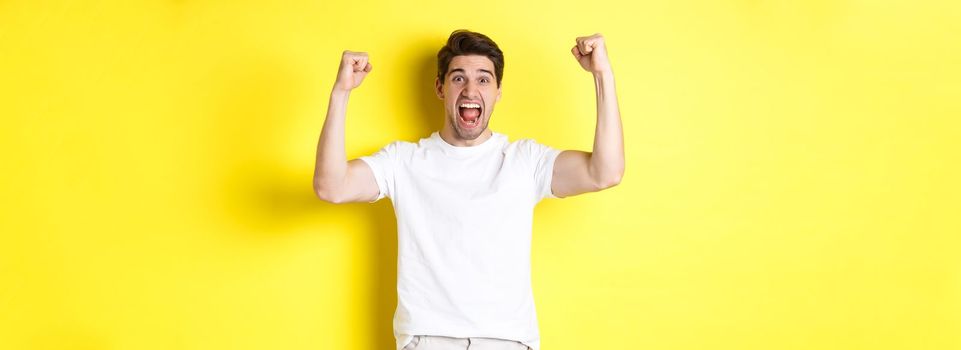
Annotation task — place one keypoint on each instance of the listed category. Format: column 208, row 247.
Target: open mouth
column 469, row 114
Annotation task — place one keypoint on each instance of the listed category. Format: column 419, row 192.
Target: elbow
column 608, row 183
column 606, row 174
column 325, row 194
column 609, row 180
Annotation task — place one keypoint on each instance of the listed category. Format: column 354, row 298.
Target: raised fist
column 354, row 66
column 591, row 53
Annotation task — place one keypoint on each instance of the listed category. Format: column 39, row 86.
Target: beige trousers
column 433, row 342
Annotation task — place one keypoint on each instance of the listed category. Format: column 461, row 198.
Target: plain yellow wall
column 792, row 171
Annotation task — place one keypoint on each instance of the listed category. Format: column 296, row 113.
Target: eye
column 485, row 80
column 458, row 79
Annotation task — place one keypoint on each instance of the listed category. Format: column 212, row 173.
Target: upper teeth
column 469, row 105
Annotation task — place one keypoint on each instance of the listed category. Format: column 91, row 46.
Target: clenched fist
column 591, row 53
column 354, row 66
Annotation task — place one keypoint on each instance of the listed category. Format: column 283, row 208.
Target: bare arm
column 577, row 172
column 335, row 179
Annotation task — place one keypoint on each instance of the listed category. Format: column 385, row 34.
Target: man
column 464, row 196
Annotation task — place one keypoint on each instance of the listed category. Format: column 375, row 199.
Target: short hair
column 464, row 42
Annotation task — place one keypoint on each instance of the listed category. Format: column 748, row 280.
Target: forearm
column 607, row 158
column 330, row 169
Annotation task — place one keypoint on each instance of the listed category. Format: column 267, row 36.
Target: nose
column 470, row 90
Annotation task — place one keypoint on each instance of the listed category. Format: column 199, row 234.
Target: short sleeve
column 542, row 157
column 382, row 164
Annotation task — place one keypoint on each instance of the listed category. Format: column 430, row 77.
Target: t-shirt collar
column 466, row 150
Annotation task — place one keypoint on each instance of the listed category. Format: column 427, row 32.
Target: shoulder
column 528, row 146
column 400, row 146
column 390, row 153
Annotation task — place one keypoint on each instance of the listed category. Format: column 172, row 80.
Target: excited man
column 464, row 196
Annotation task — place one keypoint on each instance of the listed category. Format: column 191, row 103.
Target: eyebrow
column 463, row 71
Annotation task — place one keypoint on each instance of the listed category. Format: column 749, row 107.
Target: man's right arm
column 335, row 179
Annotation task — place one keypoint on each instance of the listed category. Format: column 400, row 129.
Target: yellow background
column 792, row 171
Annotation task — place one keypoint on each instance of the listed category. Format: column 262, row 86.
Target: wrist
column 604, row 74
column 338, row 92
column 603, row 78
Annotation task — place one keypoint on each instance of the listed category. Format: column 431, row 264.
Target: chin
column 467, row 136
column 470, row 135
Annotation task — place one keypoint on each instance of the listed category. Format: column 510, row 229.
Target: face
column 469, row 91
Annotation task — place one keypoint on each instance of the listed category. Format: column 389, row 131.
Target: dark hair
column 464, row 42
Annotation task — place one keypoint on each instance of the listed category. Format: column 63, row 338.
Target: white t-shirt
column 464, row 219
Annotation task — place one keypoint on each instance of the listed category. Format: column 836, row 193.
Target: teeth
column 469, row 105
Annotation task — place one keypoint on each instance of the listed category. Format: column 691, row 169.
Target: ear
column 498, row 98
column 438, row 88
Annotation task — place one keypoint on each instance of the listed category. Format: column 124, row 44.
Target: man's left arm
column 577, row 172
